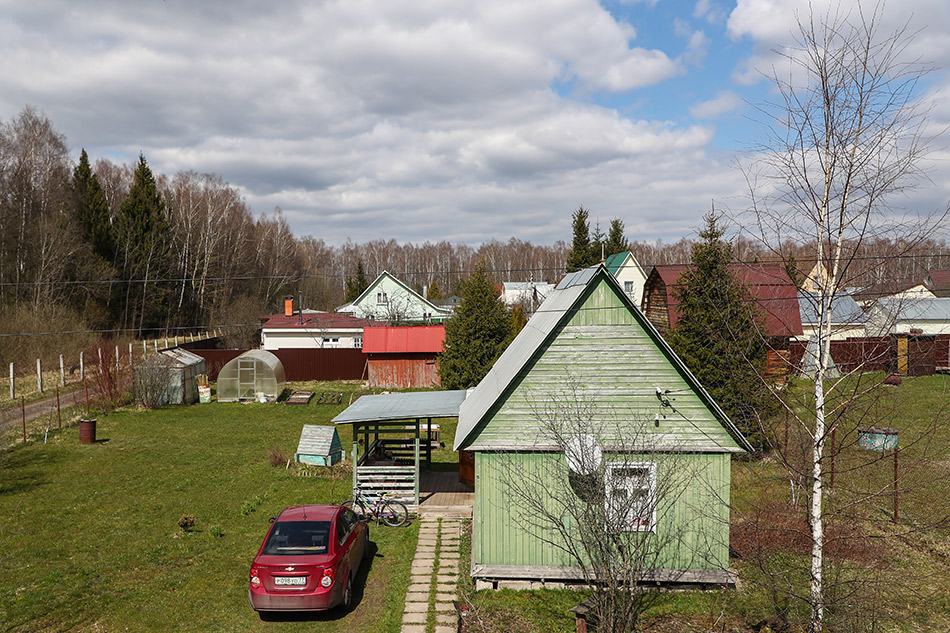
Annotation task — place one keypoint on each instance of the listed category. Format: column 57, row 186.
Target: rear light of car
column 327, row 579
column 255, row 579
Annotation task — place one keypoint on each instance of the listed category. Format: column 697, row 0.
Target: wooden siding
column 693, row 523
column 615, row 368
column 656, row 309
column 403, row 371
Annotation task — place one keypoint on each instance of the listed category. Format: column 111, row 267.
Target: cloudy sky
column 432, row 119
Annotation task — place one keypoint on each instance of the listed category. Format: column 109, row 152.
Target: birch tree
column 844, row 136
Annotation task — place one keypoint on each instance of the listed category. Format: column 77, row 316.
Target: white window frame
column 358, row 342
column 629, row 287
column 619, row 510
column 381, row 298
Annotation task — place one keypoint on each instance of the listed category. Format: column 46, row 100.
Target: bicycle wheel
column 356, row 506
column 394, row 513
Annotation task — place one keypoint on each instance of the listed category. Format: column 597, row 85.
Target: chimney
column 289, row 305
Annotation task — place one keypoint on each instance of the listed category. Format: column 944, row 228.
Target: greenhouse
column 169, row 377
column 254, row 375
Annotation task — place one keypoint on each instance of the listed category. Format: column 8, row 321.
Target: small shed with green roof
column 591, row 348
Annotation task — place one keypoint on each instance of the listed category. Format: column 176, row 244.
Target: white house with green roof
column 629, row 274
column 589, row 353
column 389, row 299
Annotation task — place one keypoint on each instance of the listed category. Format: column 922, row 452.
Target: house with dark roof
column 775, row 296
column 589, row 356
column 312, row 329
column 404, row 357
column 938, row 282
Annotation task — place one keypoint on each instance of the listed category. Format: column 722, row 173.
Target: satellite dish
column 583, row 454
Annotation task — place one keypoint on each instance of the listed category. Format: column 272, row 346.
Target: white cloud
column 725, row 101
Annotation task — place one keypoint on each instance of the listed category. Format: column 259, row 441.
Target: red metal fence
column 299, row 364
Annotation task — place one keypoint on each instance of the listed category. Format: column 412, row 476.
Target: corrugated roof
column 769, row 284
column 318, row 440
column 403, row 406
column 403, row 339
column 917, row 309
column 616, row 261
column 556, row 310
column 844, row 309
column 175, row 357
column 312, row 319
column 939, row 282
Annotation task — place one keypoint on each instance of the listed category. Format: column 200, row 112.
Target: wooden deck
column 441, row 494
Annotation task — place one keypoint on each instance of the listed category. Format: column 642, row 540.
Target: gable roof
column 616, row 261
column 939, row 282
column 844, row 309
column 774, row 293
column 403, row 339
column 313, row 319
column 917, row 308
column 412, row 293
column 543, row 327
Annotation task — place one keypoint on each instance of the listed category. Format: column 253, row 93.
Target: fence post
column 100, row 360
column 39, row 375
column 117, row 368
column 59, row 412
column 23, row 417
column 12, row 383
column 62, row 372
column 131, row 363
column 82, row 365
column 144, row 350
column 176, row 340
column 155, row 343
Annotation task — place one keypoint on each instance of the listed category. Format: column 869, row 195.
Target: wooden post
column 144, row 350
column 155, row 343
column 82, row 366
column 176, row 340
column 116, row 359
column 896, row 451
column 100, row 358
column 59, row 412
column 86, row 387
column 62, row 371
column 416, row 492
column 39, row 375
column 12, row 383
column 23, row 416
column 131, row 357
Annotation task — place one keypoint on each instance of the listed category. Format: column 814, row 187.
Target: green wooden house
column 589, row 348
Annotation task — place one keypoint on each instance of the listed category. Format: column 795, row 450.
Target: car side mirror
column 272, row 519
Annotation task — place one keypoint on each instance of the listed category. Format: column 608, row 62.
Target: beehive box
column 319, row 445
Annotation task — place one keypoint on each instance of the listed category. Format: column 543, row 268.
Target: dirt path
column 46, row 407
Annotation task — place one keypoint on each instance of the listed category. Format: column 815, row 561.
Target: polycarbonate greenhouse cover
column 253, row 375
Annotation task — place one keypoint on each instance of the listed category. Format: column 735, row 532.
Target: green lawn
column 89, row 536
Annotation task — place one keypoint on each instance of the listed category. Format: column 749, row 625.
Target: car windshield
column 298, row 537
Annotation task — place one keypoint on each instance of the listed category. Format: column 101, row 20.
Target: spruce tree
column 434, row 294
column 355, row 286
column 92, row 211
column 718, row 334
column 476, row 335
column 581, row 255
column 616, row 240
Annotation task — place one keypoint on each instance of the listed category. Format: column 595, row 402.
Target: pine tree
column 92, row 210
column 597, row 245
column 581, row 255
column 355, row 286
column 718, row 332
column 616, row 240
column 476, row 335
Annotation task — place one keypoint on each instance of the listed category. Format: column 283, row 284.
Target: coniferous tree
column 718, row 333
column 581, row 254
column 616, row 240
column 597, row 245
column 357, row 284
column 143, row 230
column 434, row 294
column 92, row 210
column 476, row 335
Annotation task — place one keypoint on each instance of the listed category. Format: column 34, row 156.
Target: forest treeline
column 102, row 249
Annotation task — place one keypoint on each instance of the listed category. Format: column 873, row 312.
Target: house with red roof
column 775, row 295
column 938, row 282
column 403, row 357
column 312, row 329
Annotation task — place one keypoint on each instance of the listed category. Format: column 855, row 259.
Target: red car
column 309, row 560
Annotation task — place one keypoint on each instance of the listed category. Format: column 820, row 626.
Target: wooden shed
column 403, row 357
column 589, row 347
column 319, row 445
column 169, row 377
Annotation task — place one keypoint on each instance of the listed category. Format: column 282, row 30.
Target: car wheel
column 348, row 594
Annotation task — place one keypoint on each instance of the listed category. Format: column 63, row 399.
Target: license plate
column 285, row 581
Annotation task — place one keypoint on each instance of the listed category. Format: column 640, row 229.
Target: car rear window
column 298, row 537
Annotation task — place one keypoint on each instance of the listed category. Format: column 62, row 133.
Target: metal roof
column 403, row 406
column 175, row 357
column 313, row 319
column 917, row 309
column 774, row 293
column 556, row 308
column 844, row 309
column 403, row 339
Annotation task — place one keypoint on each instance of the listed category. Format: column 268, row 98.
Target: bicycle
column 391, row 512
